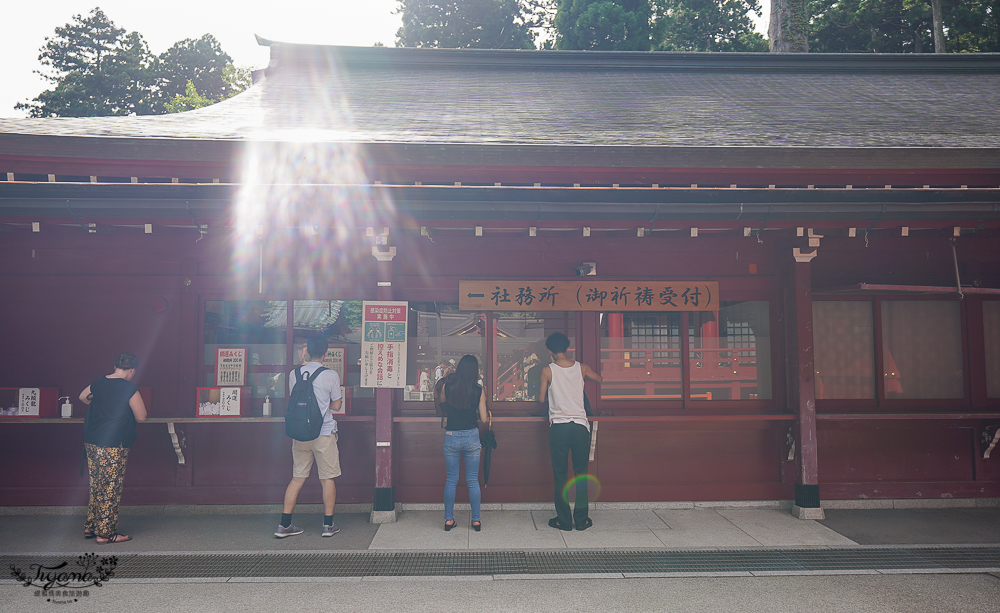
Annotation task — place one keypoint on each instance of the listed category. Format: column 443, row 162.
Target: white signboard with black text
column 230, row 366
column 28, row 401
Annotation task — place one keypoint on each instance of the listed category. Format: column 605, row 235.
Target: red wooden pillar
column 616, row 342
column 798, row 310
column 187, row 367
column 383, row 500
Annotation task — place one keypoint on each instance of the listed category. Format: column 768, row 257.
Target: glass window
column 266, row 384
column 922, row 349
column 991, row 330
column 844, row 349
column 439, row 335
column 730, row 355
column 258, row 325
column 519, row 339
column 640, row 356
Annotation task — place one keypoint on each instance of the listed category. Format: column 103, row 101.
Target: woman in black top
column 108, row 432
column 464, row 402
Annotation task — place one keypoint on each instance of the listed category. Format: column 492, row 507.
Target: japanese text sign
column 28, row 401
column 588, row 295
column 230, row 366
column 229, row 401
column 334, row 360
column 383, row 345
column 222, row 401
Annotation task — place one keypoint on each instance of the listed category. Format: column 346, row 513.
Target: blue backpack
column 303, row 418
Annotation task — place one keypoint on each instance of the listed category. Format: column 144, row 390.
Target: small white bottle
column 267, row 406
column 67, row 408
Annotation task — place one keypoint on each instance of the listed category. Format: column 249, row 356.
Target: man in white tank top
column 569, row 430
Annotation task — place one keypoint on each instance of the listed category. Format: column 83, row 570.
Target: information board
column 27, row 404
column 220, row 401
column 230, row 366
column 383, row 345
column 588, row 295
column 334, row 360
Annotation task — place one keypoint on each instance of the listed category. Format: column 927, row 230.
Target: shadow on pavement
column 916, row 526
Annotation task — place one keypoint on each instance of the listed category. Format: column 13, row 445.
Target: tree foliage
column 972, row 26
column 706, row 25
column 98, row 69
column 189, row 101
column 877, row 26
column 201, row 62
column 467, row 24
column 902, row 26
column 609, row 25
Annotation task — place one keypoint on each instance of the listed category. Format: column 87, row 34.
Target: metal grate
column 474, row 563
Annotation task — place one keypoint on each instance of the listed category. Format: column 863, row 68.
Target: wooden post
column 383, row 500
column 188, row 346
column 801, row 373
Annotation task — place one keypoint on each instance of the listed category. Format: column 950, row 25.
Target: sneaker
column 330, row 530
column 291, row 530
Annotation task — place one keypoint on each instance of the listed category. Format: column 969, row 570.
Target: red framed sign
column 223, row 401
column 231, row 366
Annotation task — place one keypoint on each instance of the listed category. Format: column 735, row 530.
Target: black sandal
column 477, row 525
column 585, row 524
column 554, row 523
column 88, row 533
column 114, row 538
column 447, row 526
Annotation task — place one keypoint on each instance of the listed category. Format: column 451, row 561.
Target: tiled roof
column 421, row 96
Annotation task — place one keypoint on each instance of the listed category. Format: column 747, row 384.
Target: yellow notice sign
column 588, row 295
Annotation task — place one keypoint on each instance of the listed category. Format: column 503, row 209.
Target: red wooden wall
column 72, row 301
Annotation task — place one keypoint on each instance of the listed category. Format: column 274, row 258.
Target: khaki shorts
column 324, row 450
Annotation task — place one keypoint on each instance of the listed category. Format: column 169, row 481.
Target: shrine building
column 785, row 267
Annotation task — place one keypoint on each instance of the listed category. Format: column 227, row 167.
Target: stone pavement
column 646, row 526
column 183, row 538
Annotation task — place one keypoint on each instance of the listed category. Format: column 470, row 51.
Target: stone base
column 808, row 512
column 383, row 517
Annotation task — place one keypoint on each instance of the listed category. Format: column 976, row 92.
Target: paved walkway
column 648, row 528
column 527, row 529
column 298, row 579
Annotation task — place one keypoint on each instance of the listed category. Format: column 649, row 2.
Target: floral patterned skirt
column 107, row 475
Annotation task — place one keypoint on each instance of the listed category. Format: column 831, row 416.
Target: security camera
column 585, row 269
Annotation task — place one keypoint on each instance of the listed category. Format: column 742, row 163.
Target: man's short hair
column 127, row 361
column 557, row 342
column 317, row 347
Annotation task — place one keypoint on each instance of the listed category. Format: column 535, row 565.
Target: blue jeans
column 459, row 443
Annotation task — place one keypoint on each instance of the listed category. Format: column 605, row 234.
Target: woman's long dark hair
column 465, row 383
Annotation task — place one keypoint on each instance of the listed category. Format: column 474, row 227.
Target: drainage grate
column 411, row 564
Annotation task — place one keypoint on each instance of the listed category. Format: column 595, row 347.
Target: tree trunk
column 788, row 29
column 938, row 15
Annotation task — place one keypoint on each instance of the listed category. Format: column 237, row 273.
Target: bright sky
column 25, row 25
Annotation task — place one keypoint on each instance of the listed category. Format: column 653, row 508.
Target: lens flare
column 587, row 480
column 306, row 190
